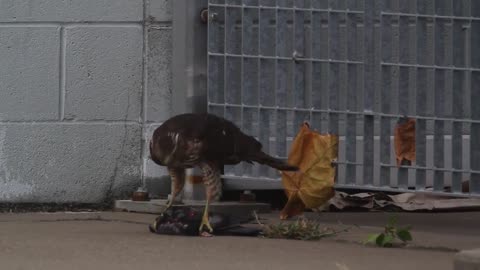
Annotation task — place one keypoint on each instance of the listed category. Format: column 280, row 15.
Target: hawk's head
column 176, row 149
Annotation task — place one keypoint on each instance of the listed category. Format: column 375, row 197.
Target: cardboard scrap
column 409, row 202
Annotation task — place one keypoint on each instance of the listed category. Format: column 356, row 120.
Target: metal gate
column 353, row 68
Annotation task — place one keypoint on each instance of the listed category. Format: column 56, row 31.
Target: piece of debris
column 301, row 229
column 140, row 194
column 405, row 141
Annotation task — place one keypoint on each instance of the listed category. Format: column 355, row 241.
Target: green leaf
column 372, row 238
column 404, row 235
column 385, row 241
column 379, row 239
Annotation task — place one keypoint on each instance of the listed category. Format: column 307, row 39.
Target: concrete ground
column 113, row 240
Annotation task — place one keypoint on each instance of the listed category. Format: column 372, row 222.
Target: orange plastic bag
column 312, row 185
column 405, row 141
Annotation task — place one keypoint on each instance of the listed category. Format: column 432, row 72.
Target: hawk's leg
column 177, row 176
column 213, row 187
column 205, row 221
column 178, row 181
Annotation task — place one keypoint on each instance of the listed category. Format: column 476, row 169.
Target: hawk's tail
column 276, row 163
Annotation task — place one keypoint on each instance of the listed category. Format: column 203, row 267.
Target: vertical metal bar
column 431, row 78
column 320, row 78
column 412, row 48
column 429, row 9
column 215, row 34
column 250, row 74
column 233, row 78
column 420, row 130
column 342, row 54
column 475, row 101
column 224, row 81
column 233, row 40
column 438, row 143
column 441, row 35
column 461, row 8
column 421, row 102
column 299, row 83
column 395, row 92
column 448, row 87
column 239, row 170
column 309, row 72
column 334, row 87
column 336, row 4
column 475, row 8
column 267, row 75
column 334, row 82
column 387, row 85
column 283, row 70
column 403, row 86
column 460, row 40
column 216, row 64
column 352, row 94
column 260, row 130
column 225, row 27
column 371, row 61
column 459, row 80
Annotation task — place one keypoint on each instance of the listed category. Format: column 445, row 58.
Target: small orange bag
column 405, row 141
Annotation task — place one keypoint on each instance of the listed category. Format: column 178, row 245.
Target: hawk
column 209, row 142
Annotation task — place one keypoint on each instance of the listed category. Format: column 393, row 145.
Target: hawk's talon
column 206, row 223
column 153, row 227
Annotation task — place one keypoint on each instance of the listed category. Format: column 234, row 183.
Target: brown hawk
column 209, row 142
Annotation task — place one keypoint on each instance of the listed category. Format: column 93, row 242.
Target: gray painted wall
column 83, row 83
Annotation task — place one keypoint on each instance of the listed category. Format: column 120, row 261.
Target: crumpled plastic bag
column 312, row 185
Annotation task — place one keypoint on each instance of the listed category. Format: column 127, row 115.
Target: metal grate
column 353, row 68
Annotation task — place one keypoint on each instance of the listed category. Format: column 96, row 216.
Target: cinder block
column 68, row 162
column 147, row 136
column 159, row 74
column 104, row 73
column 159, row 10
column 78, row 10
column 155, row 177
column 29, row 80
column 150, row 169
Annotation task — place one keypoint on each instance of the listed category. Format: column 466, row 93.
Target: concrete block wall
column 82, row 85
